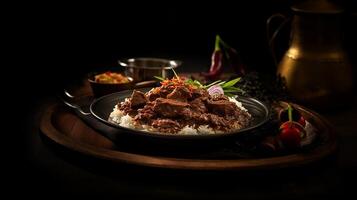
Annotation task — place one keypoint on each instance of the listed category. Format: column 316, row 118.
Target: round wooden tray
column 64, row 127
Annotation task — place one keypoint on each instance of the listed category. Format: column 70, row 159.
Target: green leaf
column 232, row 90
column 211, row 84
column 159, row 78
column 221, row 83
column 197, row 83
column 231, row 83
column 189, row 81
column 194, row 82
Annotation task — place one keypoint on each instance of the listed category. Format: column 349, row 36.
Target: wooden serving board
column 61, row 125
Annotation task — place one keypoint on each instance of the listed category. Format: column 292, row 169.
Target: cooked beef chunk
column 198, row 105
column 219, row 97
column 169, row 107
column 138, row 99
column 199, row 93
column 217, row 121
column 221, row 107
column 213, row 120
column 151, row 95
column 180, row 94
column 162, row 91
column 166, row 125
column 146, row 114
column 126, row 108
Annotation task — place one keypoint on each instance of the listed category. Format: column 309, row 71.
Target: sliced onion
column 215, row 90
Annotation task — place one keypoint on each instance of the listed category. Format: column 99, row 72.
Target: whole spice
column 264, row 87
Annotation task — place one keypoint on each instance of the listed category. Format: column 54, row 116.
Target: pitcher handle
column 271, row 37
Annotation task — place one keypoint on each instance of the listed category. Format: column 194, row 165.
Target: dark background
column 64, row 41
column 57, row 44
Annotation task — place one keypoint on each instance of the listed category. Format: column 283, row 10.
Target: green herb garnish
column 159, row 78
column 175, row 73
column 228, row 87
column 231, row 83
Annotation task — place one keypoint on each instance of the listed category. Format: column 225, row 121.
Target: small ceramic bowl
column 101, row 89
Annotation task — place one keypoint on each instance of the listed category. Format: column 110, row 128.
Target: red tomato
column 290, row 137
column 290, row 134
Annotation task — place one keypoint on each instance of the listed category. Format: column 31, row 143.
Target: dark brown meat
column 126, row 108
column 199, row 93
column 169, row 107
column 155, row 93
column 180, row 94
column 219, row 97
column 151, row 96
column 213, row 120
column 221, row 107
column 198, row 105
column 146, row 114
column 138, row 99
column 166, row 125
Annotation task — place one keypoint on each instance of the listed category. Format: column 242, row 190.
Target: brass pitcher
column 316, row 67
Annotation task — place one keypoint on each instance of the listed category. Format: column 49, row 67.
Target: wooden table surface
column 65, row 173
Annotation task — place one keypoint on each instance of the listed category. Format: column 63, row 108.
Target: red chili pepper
column 231, row 55
column 234, row 58
column 216, row 67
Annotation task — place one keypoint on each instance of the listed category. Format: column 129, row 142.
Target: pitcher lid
column 317, row 7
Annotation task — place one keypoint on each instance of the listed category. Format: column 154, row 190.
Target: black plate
column 102, row 107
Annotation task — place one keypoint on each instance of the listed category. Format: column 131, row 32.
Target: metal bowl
column 144, row 69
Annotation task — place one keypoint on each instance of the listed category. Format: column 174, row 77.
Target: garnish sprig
column 228, row 87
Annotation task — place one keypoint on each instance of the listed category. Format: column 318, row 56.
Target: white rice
column 118, row 117
column 188, row 130
column 239, row 104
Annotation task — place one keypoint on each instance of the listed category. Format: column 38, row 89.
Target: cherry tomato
column 290, row 134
